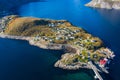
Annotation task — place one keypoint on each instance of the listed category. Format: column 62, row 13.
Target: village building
column 103, row 62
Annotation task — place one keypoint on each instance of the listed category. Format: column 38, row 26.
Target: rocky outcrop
column 72, row 66
column 65, row 64
column 107, row 4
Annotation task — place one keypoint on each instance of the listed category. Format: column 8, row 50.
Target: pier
column 97, row 75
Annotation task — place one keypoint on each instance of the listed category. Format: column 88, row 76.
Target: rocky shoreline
column 106, row 4
column 32, row 42
column 59, row 64
column 79, row 46
column 74, row 66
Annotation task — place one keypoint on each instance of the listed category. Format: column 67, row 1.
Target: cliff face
column 108, row 4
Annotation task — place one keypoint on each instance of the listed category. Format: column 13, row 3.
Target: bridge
column 97, row 75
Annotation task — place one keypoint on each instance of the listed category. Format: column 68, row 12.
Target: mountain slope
column 108, row 4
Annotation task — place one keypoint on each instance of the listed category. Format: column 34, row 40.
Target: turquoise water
column 99, row 22
column 21, row 61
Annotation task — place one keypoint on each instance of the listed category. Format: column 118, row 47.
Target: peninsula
column 80, row 48
column 107, row 4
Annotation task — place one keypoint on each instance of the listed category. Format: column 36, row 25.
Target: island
column 81, row 49
column 107, row 4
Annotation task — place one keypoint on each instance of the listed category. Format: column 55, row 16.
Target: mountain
column 107, row 4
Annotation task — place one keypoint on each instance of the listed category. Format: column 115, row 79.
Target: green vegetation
column 74, row 58
column 59, row 32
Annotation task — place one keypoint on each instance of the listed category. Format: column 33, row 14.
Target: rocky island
column 107, row 4
column 80, row 48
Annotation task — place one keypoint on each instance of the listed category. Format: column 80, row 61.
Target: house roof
column 103, row 62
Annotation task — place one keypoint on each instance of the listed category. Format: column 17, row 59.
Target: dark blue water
column 99, row 22
column 21, row 61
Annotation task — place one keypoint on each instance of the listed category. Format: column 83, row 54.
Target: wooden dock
column 97, row 75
